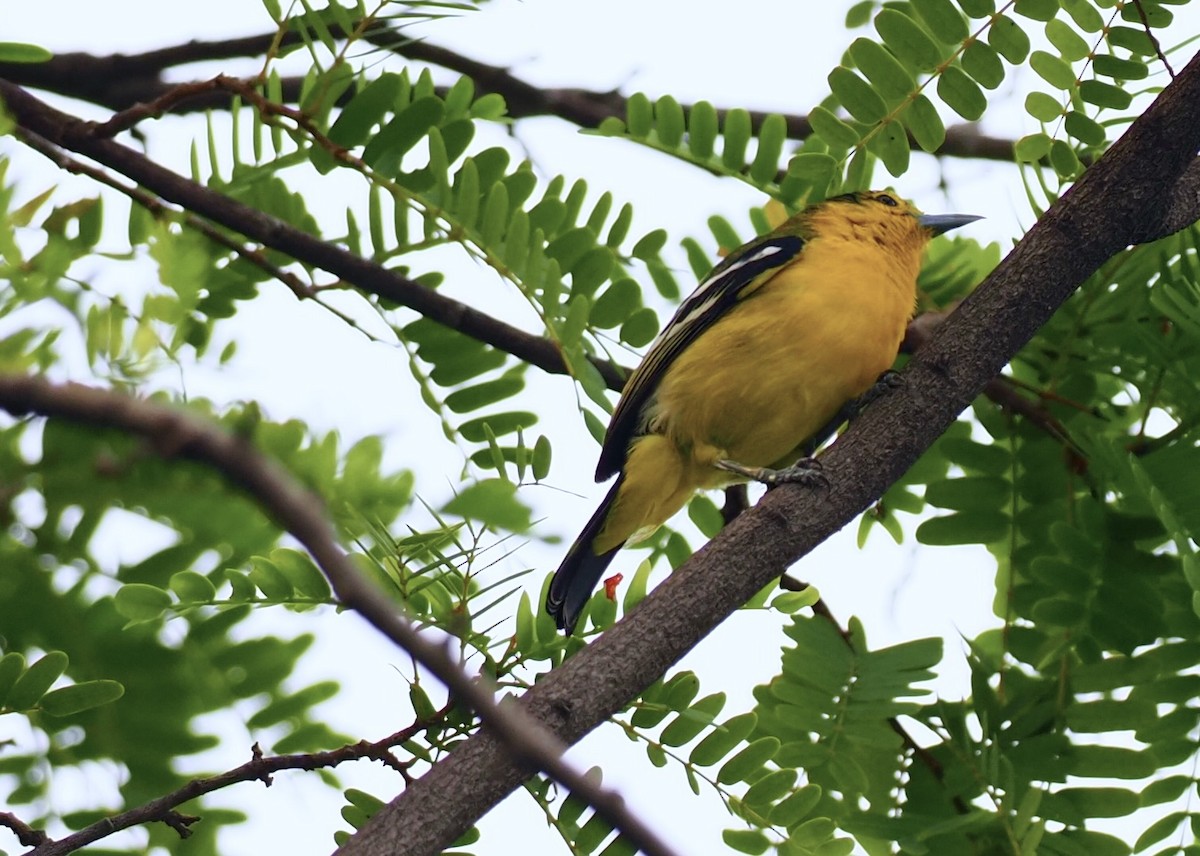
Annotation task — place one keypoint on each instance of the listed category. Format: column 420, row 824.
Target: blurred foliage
column 1082, row 698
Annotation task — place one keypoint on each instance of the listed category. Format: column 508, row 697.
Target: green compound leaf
column 398, row 136
column 964, row 528
column 856, row 95
column 961, row 93
column 942, row 19
column 1071, row 46
column 191, row 587
column 1085, row 15
column 702, row 130
column 1043, row 107
column 1038, row 10
column 1104, row 94
column 12, row 666
column 141, row 602
column 890, row 144
column 491, row 501
column 908, row 39
column 1009, row 40
column 771, row 138
column 748, row 761
column 38, row 678
column 668, row 121
column 22, row 52
column 1084, row 128
column 751, row 841
column 923, row 122
column 890, row 78
column 738, row 132
column 365, row 110
column 982, row 62
column 1108, row 65
column 836, row 133
column 80, row 697
column 1052, row 69
column 688, row 724
column 722, row 740
column 978, row 8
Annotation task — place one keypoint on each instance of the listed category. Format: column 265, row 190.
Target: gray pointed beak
column 939, row 224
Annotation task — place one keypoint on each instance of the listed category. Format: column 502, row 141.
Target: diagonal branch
column 173, row 433
column 76, row 135
column 1129, row 195
column 120, row 81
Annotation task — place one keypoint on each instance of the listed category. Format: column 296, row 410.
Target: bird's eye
column 888, row 200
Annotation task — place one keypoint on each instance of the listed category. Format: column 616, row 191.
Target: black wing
column 727, row 284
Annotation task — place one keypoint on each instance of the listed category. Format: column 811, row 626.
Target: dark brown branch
column 119, row 81
column 999, row 390
column 173, row 433
column 258, row 768
column 1126, row 196
column 27, row 836
column 76, row 135
column 157, row 209
column 1162, row 57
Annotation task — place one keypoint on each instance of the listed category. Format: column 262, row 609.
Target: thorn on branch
column 181, row 823
column 256, row 758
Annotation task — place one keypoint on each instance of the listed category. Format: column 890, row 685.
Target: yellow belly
column 758, row 384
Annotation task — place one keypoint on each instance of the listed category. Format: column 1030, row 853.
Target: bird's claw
column 807, row 472
column 888, row 381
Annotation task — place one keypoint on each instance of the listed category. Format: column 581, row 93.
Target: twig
column 120, row 82
column 179, row 94
column 1162, row 57
column 175, row 433
column 27, row 836
column 258, row 768
column 76, row 135
column 158, row 209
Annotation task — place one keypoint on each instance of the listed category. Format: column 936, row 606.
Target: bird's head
column 883, row 217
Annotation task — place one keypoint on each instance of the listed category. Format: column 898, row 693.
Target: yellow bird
column 770, row 347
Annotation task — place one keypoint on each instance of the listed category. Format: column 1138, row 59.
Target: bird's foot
column 806, row 471
column 888, row 381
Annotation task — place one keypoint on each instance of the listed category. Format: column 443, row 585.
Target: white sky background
column 298, row 361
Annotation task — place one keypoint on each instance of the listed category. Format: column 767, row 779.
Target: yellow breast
column 755, row 386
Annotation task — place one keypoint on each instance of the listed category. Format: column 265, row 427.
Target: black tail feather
column 581, row 570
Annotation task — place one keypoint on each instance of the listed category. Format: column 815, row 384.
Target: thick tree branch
column 174, row 433
column 1127, row 196
column 120, row 81
column 76, row 135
